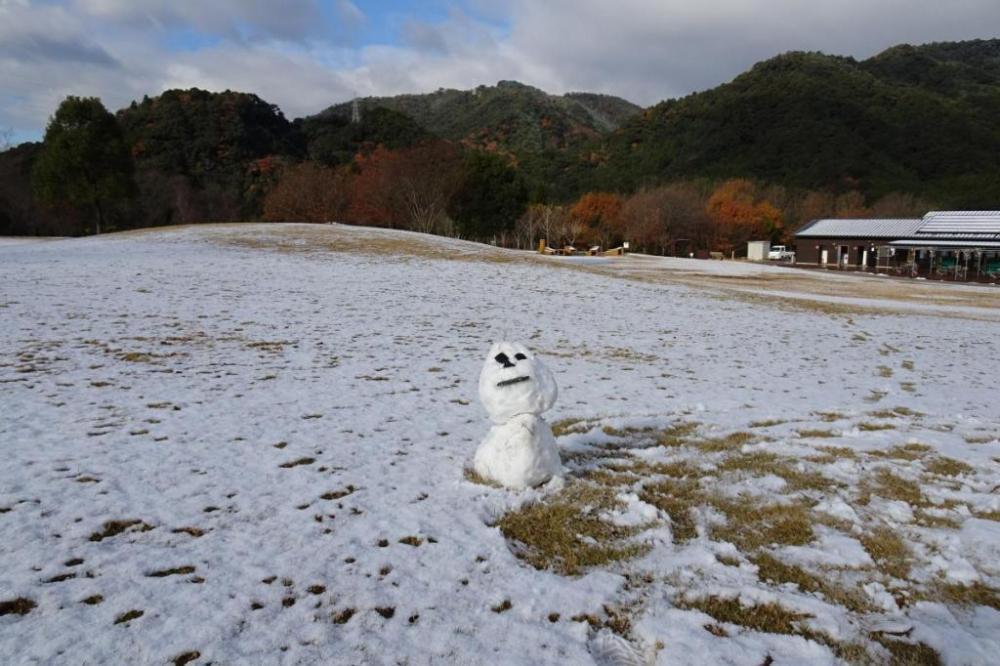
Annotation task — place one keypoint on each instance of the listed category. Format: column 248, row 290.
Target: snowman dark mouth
column 515, row 380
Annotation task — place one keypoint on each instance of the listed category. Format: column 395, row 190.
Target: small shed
column 758, row 250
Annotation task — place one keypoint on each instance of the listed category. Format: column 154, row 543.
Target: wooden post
column 541, row 246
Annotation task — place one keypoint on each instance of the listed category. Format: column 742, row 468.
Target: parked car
column 781, row 253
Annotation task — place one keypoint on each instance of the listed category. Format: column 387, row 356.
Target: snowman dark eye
column 520, row 357
column 503, row 360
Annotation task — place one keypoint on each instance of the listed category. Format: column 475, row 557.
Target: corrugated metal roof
column 962, row 224
column 861, row 228
column 975, row 245
column 962, row 213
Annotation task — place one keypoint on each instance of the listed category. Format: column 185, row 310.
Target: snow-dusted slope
column 287, row 428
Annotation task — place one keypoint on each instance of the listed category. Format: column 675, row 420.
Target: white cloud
column 287, row 19
column 303, row 55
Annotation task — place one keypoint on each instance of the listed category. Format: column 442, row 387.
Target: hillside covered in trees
column 924, row 120
column 799, row 136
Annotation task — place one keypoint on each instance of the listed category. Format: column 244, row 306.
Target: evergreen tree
column 84, row 160
column 491, row 197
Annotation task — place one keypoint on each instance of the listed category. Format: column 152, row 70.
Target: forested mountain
column 924, row 120
column 910, row 126
column 509, row 116
column 532, row 128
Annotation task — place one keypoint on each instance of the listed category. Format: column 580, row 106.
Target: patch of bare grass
column 567, row 426
column 889, row 551
column 18, row 606
column 947, row 467
column 926, row 519
column 766, row 423
column 115, row 527
column 343, row 616
column 729, row 442
column 771, row 618
column 815, row 434
column 677, row 434
column 677, row 498
column 888, row 485
column 831, row 454
column 911, row 451
column 751, row 524
column 771, row 569
column 338, row 494
column 975, row 594
column 761, row 462
column 987, row 515
column 174, row 571
column 473, row 476
column 564, row 532
column 905, row 653
column 128, row 616
column 297, row 462
column 869, row 426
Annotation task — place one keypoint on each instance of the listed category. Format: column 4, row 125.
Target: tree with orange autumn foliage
column 739, row 215
column 408, row 188
column 669, row 219
column 308, row 192
column 600, row 214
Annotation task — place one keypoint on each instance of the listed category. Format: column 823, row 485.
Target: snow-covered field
column 247, row 444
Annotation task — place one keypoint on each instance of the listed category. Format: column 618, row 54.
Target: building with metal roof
column 957, row 244
column 860, row 228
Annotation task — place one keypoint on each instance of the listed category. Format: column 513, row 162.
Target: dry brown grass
column 565, row 534
column 987, row 515
column 769, row 618
column 761, row 463
column 927, row 519
column 890, row 552
column 868, row 426
column 769, row 568
column 677, row 434
column 473, row 476
column 115, row 527
column 751, row 525
column 815, row 434
column 911, row 451
column 975, row 594
column 888, row 485
column 128, row 616
column 729, row 442
column 19, row 606
column 947, row 467
column 567, row 426
column 903, row 653
column 766, row 423
column 831, row 454
column 677, row 498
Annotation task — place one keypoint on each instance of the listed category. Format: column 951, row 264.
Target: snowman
column 515, row 387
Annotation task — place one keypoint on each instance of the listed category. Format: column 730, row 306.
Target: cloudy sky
column 306, row 54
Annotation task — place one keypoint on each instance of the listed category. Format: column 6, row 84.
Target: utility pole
column 355, row 111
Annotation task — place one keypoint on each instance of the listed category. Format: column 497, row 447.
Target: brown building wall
column 809, row 251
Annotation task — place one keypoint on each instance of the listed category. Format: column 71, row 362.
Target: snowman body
column 516, row 388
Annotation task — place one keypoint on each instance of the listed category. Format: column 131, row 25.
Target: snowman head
column 514, row 382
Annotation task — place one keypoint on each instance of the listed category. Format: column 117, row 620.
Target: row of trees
column 432, row 187
column 696, row 216
column 86, row 167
